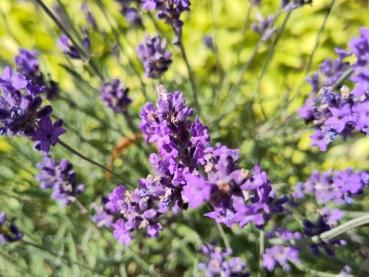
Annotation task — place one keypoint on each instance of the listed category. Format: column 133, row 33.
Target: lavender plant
column 212, row 174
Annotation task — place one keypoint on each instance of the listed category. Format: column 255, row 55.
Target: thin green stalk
column 190, row 73
column 142, row 262
column 272, row 50
column 343, row 228
column 65, row 31
column 57, row 255
column 131, row 63
column 246, row 66
column 70, row 149
column 60, row 25
column 224, row 237
column 316, row 45
column 317, row 40
column 343, row 78
column 244, row 28
column 261, row 253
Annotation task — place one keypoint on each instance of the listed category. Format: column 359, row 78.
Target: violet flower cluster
column 73, row 51
column 9, row 231
column 60, row 177
column 336, row 187
column 294, row 4
column 130, row 12
column 264, row 26
column 28, row 65
column 316, row 228
column 235, row 195
column 115, row 96
column 336, row 114
column 219, row 262
column 131, row 211
column 21, row 110
column 282, row 255
column 154, row 57
column 169, row 10
column 88, row 15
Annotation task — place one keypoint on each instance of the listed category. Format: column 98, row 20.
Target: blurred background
column 252, row 109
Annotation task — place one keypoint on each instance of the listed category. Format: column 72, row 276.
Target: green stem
column 65, row 31
column 56, row 254
column 141, row 262
column 189, row 71
column 317, row 40
column 58, row 23
column 261, row 253
column 343, row 228
column 343, row 78
column 70, row 149
column 223, row 235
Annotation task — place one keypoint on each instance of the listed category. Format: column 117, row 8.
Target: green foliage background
column 264, row 127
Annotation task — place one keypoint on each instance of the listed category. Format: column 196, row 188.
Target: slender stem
column 142, row 262
column 67, row 33
column 70, row 149
column 246, row 66
column 261, row 252
column 189, row 71
column 122, row 48
column 58, row 23
column 56, row 254
column 343, row 78
column 272, row 50
column 244, row 28
column 317, row 40
column 340, row 229
column 223, row 235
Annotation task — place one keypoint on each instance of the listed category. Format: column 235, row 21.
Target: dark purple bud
column 45, row 111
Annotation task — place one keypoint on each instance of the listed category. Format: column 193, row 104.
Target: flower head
column 60, row 177
column 9, row 231
column 219, row 262
column 47, row 134
column 115, row 96
column 156, row 60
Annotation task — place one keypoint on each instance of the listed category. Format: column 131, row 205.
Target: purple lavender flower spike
column 218, row 262
column 293, row 4
column 68, row 48
column 279, row 255
column 343, row 113
column 131, row 211
column 156, row 60
column 27, row 62
column 339, row 119
column 209, row 43
column 47, row 134
column 102, row 216
column 11, row 81
column 28, row 65
column 115, row 96
column 170, row 11
column 331, row 216
column 130, row 12
column 197, row 191
column 315, row 228
column 336, row 187
column 9, row 232
column 188, row 172
column 88, row 15
column 60, row 177
column 360, row 47
column 264, row 26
